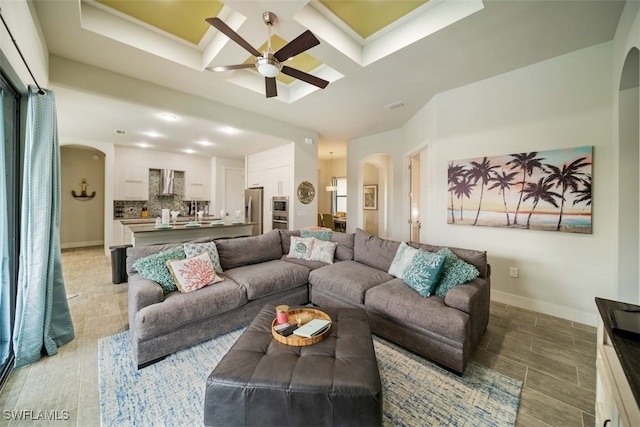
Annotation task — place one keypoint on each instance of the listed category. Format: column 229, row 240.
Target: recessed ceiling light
column 229, row 130
column 152, row 134
column 205, row 143
column 120, row 132
column 143, row 145
column 168, row 117
column 189, row 151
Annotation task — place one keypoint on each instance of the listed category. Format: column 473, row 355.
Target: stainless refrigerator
column 253, row 207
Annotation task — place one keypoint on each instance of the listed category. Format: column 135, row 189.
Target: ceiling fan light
column 268, row 67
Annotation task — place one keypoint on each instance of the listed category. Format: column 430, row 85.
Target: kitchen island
column 149, row 234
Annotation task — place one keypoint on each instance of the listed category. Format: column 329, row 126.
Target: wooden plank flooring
column 554, row 358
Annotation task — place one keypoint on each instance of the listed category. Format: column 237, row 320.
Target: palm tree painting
column 550, row 189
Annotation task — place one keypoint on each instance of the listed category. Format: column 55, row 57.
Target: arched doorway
column 375, row 176
column 629, row 178
column 82, row 182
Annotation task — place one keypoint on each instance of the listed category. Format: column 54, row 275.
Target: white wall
column 19, row 17
column 562, row 102
column 627, row 37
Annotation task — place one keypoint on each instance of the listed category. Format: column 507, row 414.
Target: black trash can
column 119, row 263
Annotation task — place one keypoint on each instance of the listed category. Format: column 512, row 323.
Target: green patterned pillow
column 424, row 271
column 154, row 267
column 193, row 249
column 318, row 234
column 455, row 272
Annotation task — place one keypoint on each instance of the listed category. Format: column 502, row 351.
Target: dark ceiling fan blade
column 305, row 77
column 230, row 67
column 270, row 87
column 296, row 46
column 219, row 25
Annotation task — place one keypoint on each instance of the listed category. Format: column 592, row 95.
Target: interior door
column 414, row 198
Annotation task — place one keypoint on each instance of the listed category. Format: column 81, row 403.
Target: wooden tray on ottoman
column 301, row 341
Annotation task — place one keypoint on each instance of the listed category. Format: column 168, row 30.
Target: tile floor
column 554, row 358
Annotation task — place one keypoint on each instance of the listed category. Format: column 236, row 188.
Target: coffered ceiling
column 374, row 53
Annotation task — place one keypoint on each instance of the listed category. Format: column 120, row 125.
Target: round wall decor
column 306, row 192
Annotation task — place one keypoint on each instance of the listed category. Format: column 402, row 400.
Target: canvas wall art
column 546, row 190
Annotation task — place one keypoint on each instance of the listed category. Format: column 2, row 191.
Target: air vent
column 394, row 105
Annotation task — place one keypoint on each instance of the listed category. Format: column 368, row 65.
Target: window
column 12, row 172
column 340, row 195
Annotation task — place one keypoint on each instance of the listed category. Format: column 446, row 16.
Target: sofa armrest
column 143, row 292
column 473, row 298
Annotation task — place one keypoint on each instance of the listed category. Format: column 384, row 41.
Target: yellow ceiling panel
column 369, row 17
column 303, row 62
column 182, row 18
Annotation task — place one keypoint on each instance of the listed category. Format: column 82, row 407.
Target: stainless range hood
column 167, row 179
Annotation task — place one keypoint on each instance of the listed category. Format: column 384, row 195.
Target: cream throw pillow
column 193, row 273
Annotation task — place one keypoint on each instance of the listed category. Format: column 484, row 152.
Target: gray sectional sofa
column 258, row 272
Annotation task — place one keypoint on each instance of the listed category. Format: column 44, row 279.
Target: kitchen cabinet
column 196, row 185
column 132, row 183
column 617, row 376
column 255, row 178
column 277, row 182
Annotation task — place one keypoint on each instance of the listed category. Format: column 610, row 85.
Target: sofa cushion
column 455, row 272
column 396, row 301
column 402, row 260
column 154, row 267
column 311, row 265
column 322, row 251
column 424, row 272
column 374, row 251
column 193, row 249
column 193, row 273
column 474, row 257
column 285, row 239
column 178, row 309
column 269, row 277
column 322, row 234
column 134, row 254
column 348, row 280
column 249, row 250
column 344, row 250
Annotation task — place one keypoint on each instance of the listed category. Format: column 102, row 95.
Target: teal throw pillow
column 318, row 234
column 154, row 267
column 423, row 274
column 456, row 272
column 402, row 260
column 193, row 249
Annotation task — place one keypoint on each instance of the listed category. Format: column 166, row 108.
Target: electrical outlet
column 513, row 272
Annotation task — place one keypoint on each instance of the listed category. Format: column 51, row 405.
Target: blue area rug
column 416, row 392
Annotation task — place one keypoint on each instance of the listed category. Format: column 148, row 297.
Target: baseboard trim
column 82, row 244
column 546, row 308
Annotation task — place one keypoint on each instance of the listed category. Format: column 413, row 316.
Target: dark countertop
column 148, row 228
column 628, row 350
column 152, row 220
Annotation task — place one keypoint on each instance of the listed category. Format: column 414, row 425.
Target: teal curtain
column 5, row 291
column 43, row 321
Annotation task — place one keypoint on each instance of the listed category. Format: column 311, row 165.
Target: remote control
column 288, row 331
column 281, row 326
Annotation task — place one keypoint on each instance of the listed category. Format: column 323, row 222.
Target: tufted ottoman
column 262, row 382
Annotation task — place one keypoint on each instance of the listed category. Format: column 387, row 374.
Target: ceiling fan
column 268, row 63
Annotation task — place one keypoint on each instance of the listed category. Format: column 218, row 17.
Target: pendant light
column 331, row 187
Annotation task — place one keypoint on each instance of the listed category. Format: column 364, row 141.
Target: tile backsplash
column 157, row 202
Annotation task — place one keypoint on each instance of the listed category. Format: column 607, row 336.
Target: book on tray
column 313, row 328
